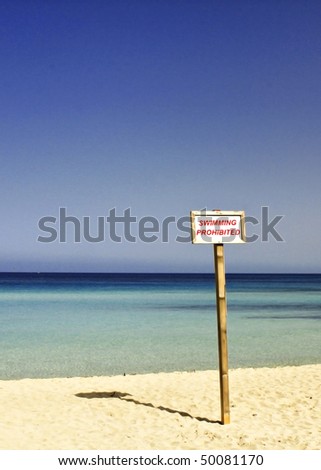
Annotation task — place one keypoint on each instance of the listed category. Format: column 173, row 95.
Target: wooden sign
column 218, row 226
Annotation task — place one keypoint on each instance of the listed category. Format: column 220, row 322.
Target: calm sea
column 59, row 325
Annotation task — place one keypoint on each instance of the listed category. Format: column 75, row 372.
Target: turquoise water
column 58, row 325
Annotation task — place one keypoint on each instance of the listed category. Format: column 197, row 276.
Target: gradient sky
column 160, row 106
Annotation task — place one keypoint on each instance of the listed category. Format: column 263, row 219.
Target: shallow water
column 56, row 325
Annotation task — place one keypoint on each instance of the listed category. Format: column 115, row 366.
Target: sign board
column 218, row 226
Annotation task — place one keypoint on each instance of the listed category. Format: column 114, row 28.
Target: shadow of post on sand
column 127, row 397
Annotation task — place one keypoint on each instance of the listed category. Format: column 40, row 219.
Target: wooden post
column 222, row 331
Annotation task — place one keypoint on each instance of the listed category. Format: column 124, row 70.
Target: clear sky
column 159, row 106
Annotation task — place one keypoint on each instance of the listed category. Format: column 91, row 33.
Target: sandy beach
column 277, row 408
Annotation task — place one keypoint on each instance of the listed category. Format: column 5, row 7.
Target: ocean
column 63, row 325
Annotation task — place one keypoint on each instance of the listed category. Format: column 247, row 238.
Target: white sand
column 270, row 409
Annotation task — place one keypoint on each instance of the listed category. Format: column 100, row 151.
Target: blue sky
column 160, row 107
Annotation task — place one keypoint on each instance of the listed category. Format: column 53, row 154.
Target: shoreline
column 271, row 409
column 148, row 373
